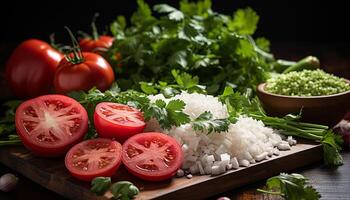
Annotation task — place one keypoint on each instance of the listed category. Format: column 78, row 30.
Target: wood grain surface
column 51, row 174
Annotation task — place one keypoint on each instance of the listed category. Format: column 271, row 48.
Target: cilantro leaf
column 195, row 8
column 244, row 21
column 205, row 122
column 124, row 190
column 175, row 115
column 143, row 14
column 8, row 135
column 100, row 185
column 173, row 13
column 188, row 82
column 263, row 43
column 331, row 147
column 291, row 187
column 148, row 88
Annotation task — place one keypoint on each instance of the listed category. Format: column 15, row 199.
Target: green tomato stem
column 95, row 34
column 76, row 50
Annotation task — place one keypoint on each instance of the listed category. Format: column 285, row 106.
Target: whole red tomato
column 31, row 68
column 97, row 45
column 82, row 71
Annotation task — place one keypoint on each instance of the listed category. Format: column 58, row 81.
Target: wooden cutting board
column 51, row 174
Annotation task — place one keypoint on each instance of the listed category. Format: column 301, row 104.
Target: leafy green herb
column 124, row 190
column 291, row 187
column 100, row 185
column 238, row 104
column 245, row 21
column 205, row 122
column 173, row 13
column 183, row 82
column 8, row 134
column 216, row 48
column 167, row 114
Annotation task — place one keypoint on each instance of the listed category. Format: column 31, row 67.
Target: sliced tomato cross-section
column 93, row 158
column 113, row 120
column 49, row 125
column 152, row 156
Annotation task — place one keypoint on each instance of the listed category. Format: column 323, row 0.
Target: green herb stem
column 10, row 142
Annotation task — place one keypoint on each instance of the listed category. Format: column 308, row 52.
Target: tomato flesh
column 152, row 156
column 93, row 158
column 118, row 121
column 49, row 125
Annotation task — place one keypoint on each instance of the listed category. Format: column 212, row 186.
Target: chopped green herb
column 306, row 83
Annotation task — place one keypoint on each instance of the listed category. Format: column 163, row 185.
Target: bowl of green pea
column 321, row 97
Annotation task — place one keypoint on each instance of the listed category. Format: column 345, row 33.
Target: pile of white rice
column 246, row 142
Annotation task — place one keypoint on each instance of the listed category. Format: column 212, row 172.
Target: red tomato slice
column 49, row 125
column 93, row 158
column 118, row 121
column 152, row 156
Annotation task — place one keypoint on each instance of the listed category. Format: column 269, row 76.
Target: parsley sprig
column 205, row 122
column 291, row 187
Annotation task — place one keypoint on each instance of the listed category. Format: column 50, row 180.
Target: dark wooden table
column 331, row 183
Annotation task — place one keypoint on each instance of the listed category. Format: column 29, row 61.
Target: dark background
column 299, row 21
column 296, row 28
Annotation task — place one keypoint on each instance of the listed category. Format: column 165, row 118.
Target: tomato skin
column 156, row 175
column 91, row 45
column 88, row 175
column 31, row 67
column 40, row 148
column 121, row 132
column 93, row 71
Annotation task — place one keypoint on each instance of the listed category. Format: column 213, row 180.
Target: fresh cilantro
column 191, row 40
column 143, row 15
column 245, row 21
column 100, row 185
column 124, row 190
column 183, row 82
column 331, row 147
column 8, row 134
column 173, row 13
column 175, row 115
column 291, row 187
column 206, row 123
column 263, row 44
column 199, row 8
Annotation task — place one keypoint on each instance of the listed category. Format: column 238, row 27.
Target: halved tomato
column 93, row 158
column 152, row 156
column 49, row 125
column 113, row 120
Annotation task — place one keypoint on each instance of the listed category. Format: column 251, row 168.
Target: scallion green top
column 307, row 83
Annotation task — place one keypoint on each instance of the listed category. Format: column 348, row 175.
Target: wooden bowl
column 327, row 110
